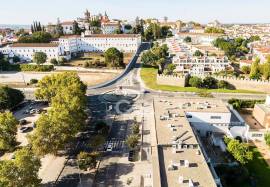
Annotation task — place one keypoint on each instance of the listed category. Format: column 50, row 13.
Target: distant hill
column 15, row 27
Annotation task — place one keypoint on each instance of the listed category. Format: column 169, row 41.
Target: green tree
column 39, row 58
column 10, row 97
column 209, row 83
column 54, row 61
column 132, row 141
column 267, row 138
column 198, row 53
column 97, row 141
column 254, row 70
column 266, row 69
column 223, row 84
column 49, row 86
column 169, row 70
column 37, row 37
column 22, row 171
column 136, row 128
column 76, row 29
column 195, row 82
column 8, row 131
column 245, row 69
column 214, row 30
column 239, row 151
column 16, row 59
column 187, row 39
column 114, row 58
column 87, row 160
column 66, row 117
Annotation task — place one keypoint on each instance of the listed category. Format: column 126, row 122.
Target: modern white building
column 26, row 51
column 200, row 65
column 128, row 43
column 187, row 63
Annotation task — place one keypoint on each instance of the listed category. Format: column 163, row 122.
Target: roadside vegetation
column 9, row 98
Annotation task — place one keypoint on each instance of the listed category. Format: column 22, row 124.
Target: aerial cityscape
column 143, row 94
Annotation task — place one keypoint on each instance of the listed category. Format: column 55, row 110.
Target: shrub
column 195, row 82
column 33, row 81
column 54, row 61
column 39, row 68
column 210, row 83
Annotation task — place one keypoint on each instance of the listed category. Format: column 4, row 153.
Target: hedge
column 31, row 67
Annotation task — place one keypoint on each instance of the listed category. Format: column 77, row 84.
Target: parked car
column 32, row 111
column 24, row 129
column 22, row 122
column 109, row 147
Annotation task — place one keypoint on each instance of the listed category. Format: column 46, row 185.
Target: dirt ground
column 250, row 120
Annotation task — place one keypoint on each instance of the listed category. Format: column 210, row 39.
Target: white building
column 200, row 65
column 26, row 51
column 128, row 43
column 110, row 27
column 67, row 27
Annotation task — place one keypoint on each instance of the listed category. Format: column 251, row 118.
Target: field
column 148, row 75
column 95, row 57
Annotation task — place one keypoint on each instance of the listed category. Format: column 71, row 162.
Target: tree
column 245, row 69
column 114, row 58
column 153, row 32
column 209, row 83
column 214, row 30
column 223, row 84
column 266, row 69
column 254, row 70
column 40, row 58
column 8, row 131
column 50, row 86
column 67, row 115
column 33, row 81
column 170, row 69
column 198, row 53
column 10, row 97
column 195, row 82
column 132, row 141
column 54, row 61
column 160, row 63
column 22, row 171
column 76, row 29
column 187, row 39
column 37, row 37
column 16, row 59
column 87, row 160
column 136, row 128
column 239, row 151
column 128, row 27
column 267, row 138
column 97, row 141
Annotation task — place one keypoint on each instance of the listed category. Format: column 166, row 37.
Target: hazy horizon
column 226, row 11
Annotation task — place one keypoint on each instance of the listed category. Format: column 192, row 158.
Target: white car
column 109, row 147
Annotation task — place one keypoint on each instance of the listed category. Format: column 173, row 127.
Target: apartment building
column 26, row 51
column 261, row 113
column 187, row 63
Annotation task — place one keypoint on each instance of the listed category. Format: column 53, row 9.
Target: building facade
column 26, row 51
column 128, row 43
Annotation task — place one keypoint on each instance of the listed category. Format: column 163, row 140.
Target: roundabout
column 120, row 94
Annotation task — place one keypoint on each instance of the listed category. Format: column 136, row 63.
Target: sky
column 203, row 11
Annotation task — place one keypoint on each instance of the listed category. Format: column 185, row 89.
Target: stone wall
column 243, row 84
column 171, row 80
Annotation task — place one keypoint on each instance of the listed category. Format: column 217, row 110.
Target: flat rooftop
column 171, row 126
column 264, row 107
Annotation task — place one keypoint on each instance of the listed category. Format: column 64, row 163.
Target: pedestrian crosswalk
column 117, row 145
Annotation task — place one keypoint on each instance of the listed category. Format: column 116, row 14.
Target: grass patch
column 259, row 169
column 149, row 76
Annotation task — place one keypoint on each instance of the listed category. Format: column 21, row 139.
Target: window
column 215, row 117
